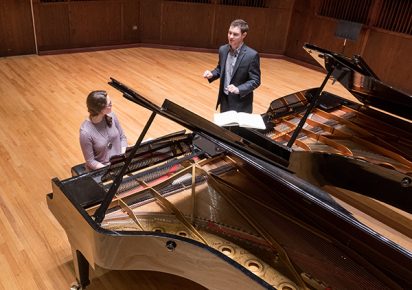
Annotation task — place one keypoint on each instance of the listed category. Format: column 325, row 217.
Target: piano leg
column 81, row 266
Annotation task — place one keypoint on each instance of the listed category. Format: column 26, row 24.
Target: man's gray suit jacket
column 246, row 76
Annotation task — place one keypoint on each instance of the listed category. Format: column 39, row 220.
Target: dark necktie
column 233, row 52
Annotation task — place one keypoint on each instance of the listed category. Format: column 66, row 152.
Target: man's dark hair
column 242, row 24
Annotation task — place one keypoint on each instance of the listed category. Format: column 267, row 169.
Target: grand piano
column 331, row 141
column 321, row 199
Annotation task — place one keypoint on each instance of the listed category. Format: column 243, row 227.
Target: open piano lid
column 198, row 124
column 355, row 75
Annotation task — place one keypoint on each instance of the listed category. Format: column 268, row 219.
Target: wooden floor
column 42, row 103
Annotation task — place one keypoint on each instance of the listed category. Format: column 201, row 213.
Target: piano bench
column 78, row 169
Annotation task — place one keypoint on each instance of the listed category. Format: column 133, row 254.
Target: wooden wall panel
column 99, row 23
column 276, row 30
column 307, row 27
column 225, row 15
column 187, row 24
column 131, row 21
column 278, row 20
column 16, row 28
column 150, row 21
column 323, row 34
column 52, row 25
column 92, row 23
column 299, row 29
column 78, row 24
column 389, row 56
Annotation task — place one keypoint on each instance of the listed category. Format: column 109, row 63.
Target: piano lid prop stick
column 101, row 211
column 193, row 193
column 309, row 109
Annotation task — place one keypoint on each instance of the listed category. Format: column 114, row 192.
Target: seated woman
column 101, row 136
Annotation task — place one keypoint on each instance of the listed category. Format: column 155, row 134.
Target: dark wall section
column 68, row 24
column 276, row 27
column 78, row 24
column 16, row 28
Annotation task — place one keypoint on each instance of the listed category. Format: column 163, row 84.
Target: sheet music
column 233, row 118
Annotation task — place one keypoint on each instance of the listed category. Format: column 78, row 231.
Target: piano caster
column 75, row 286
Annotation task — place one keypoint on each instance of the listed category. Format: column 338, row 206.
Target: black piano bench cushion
column 78, row 169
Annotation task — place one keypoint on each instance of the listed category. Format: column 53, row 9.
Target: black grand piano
column 334, row 142
column 327, row 207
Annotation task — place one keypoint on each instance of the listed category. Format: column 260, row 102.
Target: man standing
column 238, row 69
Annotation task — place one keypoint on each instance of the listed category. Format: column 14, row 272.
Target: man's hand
column 207, row 74
column 232, row 89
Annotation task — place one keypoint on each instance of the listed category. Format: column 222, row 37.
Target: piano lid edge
column 362, row 83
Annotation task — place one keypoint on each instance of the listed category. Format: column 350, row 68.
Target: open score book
column 233, row 118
